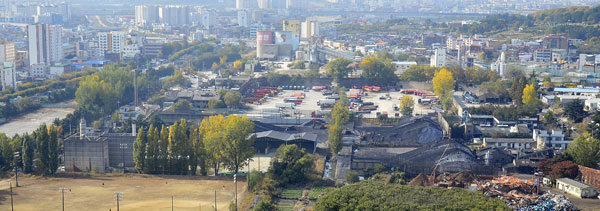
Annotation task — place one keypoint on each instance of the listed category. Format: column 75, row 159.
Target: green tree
column 290, row 165
column 378, row 71
column 139, row 151
column 152, row 150
column 351, row 177
column 549, row 119
column 338, row 68
column 585, row 150
column 237, row 147
column 516, row 90
column 335, row 137
column 574, row 110
column 211, row 129
column 43, row 157
column 232, row 99
column 163, row 145
column 28, row 154
column 265, row 206
column 53, row 151
column 407, row 105
column 182, row 106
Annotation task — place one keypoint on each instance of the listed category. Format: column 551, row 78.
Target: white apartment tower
column 146, row 14
column 243, row 18
column 500, row 65
column 111, row 42
column 8, row 75
column 45, row 43
column 439, row 58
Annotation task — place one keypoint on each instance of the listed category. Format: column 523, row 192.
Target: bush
column 254, row 180
column 265, row 206
column 351, row 177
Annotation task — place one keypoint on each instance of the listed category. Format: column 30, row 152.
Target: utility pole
column 118, row 197
column 12, row 208
column 17, row 155
column 62, row 191
column 215, row 199
column 235, row 182
column 123, row 147
column 172, row 207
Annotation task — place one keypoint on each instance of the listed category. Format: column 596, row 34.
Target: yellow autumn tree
column 529, row 95
column 223, row 59
column 443, row 83
column 214, row 66
column 237, row 65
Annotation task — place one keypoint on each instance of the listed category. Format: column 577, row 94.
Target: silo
column 262, row 38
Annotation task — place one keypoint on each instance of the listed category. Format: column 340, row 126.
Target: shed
column 575, row 188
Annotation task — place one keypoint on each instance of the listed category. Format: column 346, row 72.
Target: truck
column 285, row 105
column 326, row 102
column 320, row 113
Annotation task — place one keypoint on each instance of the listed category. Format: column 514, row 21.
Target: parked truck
column 320, row 113
column 285, row 105
column 326, row 102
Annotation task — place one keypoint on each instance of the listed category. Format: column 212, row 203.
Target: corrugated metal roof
column 573, row 183
column 581, row 90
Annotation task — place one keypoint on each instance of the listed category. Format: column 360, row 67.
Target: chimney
column 133, row 129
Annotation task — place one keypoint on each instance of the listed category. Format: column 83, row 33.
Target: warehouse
column 269, row 141
column 575, row 188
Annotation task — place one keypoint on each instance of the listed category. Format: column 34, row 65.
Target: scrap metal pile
column 523, row 194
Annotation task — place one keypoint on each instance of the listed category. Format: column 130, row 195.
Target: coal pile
column 420, row 180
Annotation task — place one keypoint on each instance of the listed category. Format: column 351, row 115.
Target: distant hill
column 588, row 15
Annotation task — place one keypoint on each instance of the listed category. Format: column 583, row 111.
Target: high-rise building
column 111, row 42
column 8, row 52
column 8, row 75
column 243, row 18
column 45, row 43
column 209, row 18
column 500, row 65
column 175, row 15
column 246, row 4
column 439, row 58
column 146, row 14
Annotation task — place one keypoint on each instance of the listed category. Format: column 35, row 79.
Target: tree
column 407, row 105
column 300, row 64
column 163, row 145
column 223, row 60
column 378, row 71
column 585, row 150
column 237, row 65
column 549, row 119
column 290, row 165
column 238, row 147
column 338, row 68
column 443, row 83
column 182, row 106
column 139, row 151
column 232, row 99
column 516, row 90
column 27, row 154
column 265, row 206
column 351, row 177
column 529, row 96
column 43, row 157
column 152, row 150
column 335, row 137
column 574, row 110
column 213, row 139
column 564, row 169
column 214, row 66
column 53, row 152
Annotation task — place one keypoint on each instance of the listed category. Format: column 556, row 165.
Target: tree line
column 219, row 142
column 38, row 152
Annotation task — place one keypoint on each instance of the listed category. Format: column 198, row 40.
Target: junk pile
column 521, row 194
column 420, row 180
column 460, row 179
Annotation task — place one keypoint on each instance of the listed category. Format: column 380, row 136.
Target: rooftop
column 573, row 183
column 580, row 90
column 508, row 140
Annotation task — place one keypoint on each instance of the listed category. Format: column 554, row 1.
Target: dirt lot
column 153, row 193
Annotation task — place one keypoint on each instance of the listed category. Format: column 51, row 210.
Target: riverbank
column 29, row 122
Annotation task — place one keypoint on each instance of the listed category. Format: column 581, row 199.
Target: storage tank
column 263, row 38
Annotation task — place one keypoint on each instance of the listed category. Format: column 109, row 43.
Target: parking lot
column 309, row 104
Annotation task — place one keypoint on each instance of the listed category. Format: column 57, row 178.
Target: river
column 29, row 122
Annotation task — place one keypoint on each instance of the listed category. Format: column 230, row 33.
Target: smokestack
column 133, row 129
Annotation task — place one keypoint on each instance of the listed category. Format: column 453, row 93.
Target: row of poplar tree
column 38, row 152
column 219, row 142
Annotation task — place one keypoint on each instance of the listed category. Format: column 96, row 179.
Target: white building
column 45, row 43
column 402, row 66
column 146, row 14
column 246, row 4
column 209, row 18
column 555, row 140
column 500, row 65
column 129, row 51
column 308, row 29
column 39, row 71
column 243, row 18
column 111, row 42
column 439, row 58
column 176, row 15
column 8, row 76
column 575, row 188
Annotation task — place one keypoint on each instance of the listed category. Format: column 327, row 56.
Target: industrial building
column 91, row 150
column 270, row 141
column 575, row 188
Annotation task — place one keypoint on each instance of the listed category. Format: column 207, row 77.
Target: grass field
column 291, row 194
column 139, row 193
